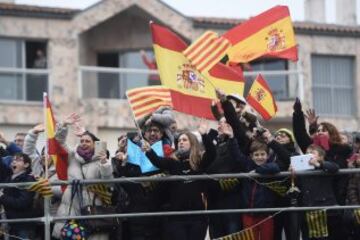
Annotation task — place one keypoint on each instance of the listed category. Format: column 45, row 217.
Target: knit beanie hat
column 288, row 132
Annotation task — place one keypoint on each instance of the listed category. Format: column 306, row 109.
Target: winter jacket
column 38, row 169
column 17, row 202
column 353, row 190
column 184, row 195
column 253, row 194
column 339, row 153
column 317, row 190
column 79, row 169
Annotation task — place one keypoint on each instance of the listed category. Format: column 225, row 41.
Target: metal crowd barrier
column 47, row 219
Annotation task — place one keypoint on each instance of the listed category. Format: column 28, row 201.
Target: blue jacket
column 253, row 194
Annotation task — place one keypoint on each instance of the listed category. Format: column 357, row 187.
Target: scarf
column 182, row 154
column 86, row 154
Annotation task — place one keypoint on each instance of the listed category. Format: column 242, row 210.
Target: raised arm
column 159, row 162
column 302, row 137
column 29, row 148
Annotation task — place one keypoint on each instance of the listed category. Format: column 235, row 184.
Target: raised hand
column 297, row 105
column 311, row 116
column 145, row 146
column 39, row 128
column 78, row 129
column 227, row 130
column 71, row 119
column 203, row 126
column 220, row 94
column 3, row 139
column 267, row 136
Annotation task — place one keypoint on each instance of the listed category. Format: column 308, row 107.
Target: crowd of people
column 238, row 145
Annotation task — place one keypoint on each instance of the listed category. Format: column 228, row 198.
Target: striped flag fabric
column 42, row 186
column 269, row 34
column 261, row 98
column 228, row 184
column 190, row 89
column 146, row 100
column 101, row 191
column 246, row 234
column 317, row 224
column 357, row 215
column 54, row 148
column 207, row 51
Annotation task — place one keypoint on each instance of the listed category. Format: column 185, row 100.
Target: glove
column 297, row 105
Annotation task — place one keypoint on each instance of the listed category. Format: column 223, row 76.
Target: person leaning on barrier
column 185, row 195
column 256, row 194
column 83, row 163
column 18, row 202
column 317, row 190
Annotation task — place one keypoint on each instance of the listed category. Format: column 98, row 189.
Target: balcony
column 112, row 83
column 23, row 85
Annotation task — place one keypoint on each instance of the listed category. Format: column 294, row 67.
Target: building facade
column 75, row 56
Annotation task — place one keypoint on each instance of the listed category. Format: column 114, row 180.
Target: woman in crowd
column 83, row 163
column 185, row 195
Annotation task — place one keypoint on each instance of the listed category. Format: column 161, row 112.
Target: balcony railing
column 104, row 82
column 22, row 84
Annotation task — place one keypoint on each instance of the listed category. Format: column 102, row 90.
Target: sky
column 211, row 8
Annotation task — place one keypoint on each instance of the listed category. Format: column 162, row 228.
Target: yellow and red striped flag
column 146, row 100
column 269, row 34
column 207, row 51
column 246, row 234
column 42, row 186
column 261, row 98
column 191, row 92
column 54, row 148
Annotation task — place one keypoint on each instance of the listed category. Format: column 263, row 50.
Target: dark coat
column 353, row 190
column 317, row 190
column 17, row 202
column 338, row 153
column 253, row 194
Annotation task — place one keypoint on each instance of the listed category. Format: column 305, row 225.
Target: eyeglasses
column 281, row 135
column 154, row 130
column 85, row 141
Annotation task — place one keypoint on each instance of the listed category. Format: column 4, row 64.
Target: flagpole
column 46, row 199
column 136, row 123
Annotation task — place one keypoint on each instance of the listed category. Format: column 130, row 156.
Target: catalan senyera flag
column 207, row 51
column 146, row 100
column 261, row 98
column 246, row 234
column 101, row 191
column 42, row 186
column 55, row 150
column 269, row 34
column 191, row 92
column 317, row 224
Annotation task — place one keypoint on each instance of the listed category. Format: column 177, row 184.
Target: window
column 21, row 54
column 114, row 85
column 333, row 85
column 278, row 84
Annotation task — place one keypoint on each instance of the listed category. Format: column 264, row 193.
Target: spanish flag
column 269, row 34
column 191, row 92
column 55, row 150
column 261, row 98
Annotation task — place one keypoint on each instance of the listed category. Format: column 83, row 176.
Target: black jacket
column 338, row 153
column 317, row 190
column 184, row 195
column 17, row 202
column 253, row 194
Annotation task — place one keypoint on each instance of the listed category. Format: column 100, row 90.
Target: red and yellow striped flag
column 55, row 150
column 261, row 98
column 42, row 186
column 146, row 100
column 191, row 92
column 207, row 51
column 269, row 34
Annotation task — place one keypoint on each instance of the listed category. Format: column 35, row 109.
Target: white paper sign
column 301, row 162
